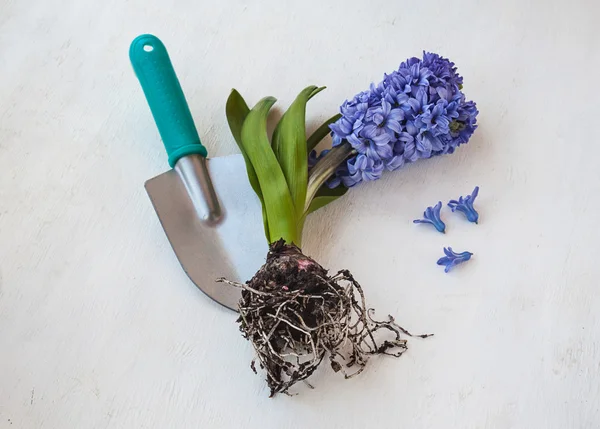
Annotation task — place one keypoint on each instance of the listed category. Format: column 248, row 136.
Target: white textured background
column 99, row 326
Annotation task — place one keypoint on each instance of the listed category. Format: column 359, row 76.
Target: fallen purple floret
column 432, row 216
column 452, row 258
column 465, row 206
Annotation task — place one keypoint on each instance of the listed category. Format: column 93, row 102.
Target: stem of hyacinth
column 325, row 169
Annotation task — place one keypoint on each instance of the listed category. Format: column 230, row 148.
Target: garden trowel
column 207, row 207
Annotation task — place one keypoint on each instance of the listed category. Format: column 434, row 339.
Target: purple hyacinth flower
column 343, row 127
column 452, row 258
column 415, row 112
column 465, row 125
column 416, row 75
column 443, row 71
column 415, row 106
column 432, row 216
column 427, row 143
column 394, row 95
column 465, row 206
column 341, row 176
column 436, row 119
column 450, row 101
column 398, row 82
column 378, row 148
column 386, row 118
column 362, row 169
column 397, row 160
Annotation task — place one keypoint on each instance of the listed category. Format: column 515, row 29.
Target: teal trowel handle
column 171, row 113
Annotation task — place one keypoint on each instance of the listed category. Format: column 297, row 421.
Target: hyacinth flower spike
column 465, row 206
column 416, row 112
column 452, row 258
column 432, row 216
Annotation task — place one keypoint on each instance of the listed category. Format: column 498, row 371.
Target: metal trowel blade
column 234, row 248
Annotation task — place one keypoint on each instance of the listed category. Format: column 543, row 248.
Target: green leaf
column 276, row 140
column 316, row 91
column 237, row 110
column 325, row 196
column 289, row 145
column 279, row 205
column 320, row 133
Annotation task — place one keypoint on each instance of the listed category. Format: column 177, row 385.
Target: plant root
column 296, row 316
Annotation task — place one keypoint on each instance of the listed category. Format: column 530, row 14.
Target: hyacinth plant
column 293, row 312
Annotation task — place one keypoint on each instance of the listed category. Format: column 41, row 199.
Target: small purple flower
column 353, row 115
column 452, row 258
column 393, row 94
column 386, row 118
column 397, row 160
column 432, row 216
column 340, row 176
column 465, row 125
column 436, row 119
column 415, row 106
column 409, row 150
column 443, row 71
column 465, row 206
column 377, row 147
column 416, row 75
column 341, row 129
column 362, row 168
column 451, row 102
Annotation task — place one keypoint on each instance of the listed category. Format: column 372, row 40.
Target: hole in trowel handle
column 148, row 48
